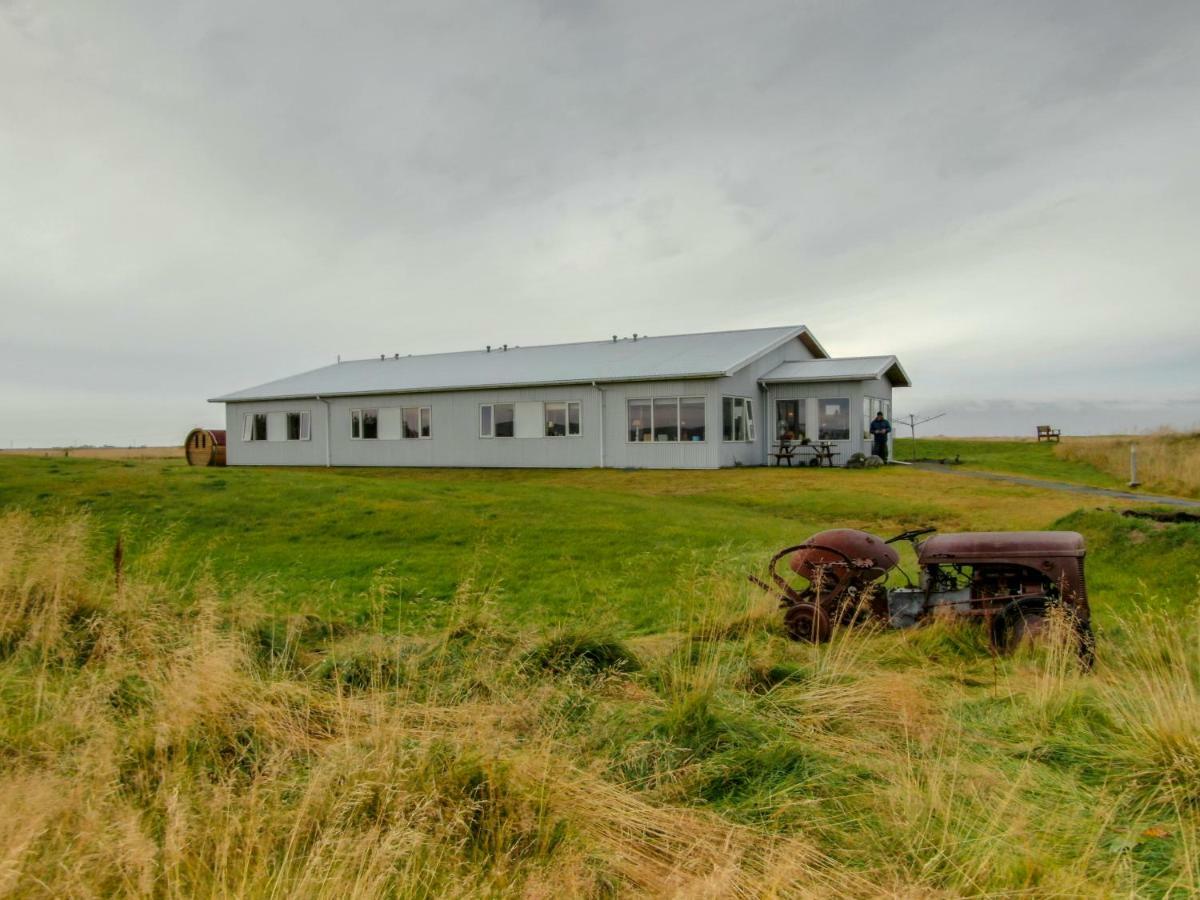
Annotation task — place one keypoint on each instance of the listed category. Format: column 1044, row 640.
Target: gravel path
column 1131, row 496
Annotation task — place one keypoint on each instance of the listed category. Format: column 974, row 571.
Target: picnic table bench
column 1048, row 433
column 820, row 453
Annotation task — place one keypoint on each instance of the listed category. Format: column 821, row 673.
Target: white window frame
column 248, row 423
column 491, row 435
column 303, row 427
column 566, row 405
column 679, row 419
column 650, row 402
column 749, row 432
column 362, row 423
column 423, row 413
column 849, row 414
column 800, row 425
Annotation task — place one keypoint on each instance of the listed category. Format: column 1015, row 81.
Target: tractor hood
column 986, row 545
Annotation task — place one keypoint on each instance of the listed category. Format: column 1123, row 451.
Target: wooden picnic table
column 818, row 454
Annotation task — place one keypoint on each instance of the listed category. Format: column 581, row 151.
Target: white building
column 695, row 401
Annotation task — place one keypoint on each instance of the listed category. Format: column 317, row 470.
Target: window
column 833, row 420
column 665, row 419
column 789, row 419
column 691, row 418
column 574, row 419
column 364, row 424
column 408, row 422
column 640, row 420
column 254, row 427
column 411, row 416
column 506, row 416
column 562, row 419
column 496, row 419
column 299, row 426
column 738, row 419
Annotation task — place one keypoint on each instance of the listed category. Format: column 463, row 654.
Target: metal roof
column 709, row 355
column 850, row 368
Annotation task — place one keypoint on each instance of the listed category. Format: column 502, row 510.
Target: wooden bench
column 1048, row 433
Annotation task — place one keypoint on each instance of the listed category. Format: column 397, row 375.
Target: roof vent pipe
column 397, row 356
column 380, row 357
column 489, row 348
column 506, row 348
column 614, row 338
column 635, row 335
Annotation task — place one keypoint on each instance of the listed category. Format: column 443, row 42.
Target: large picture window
column 789, row 420
column 833, row 419
column 737, row 419
column 665, row 420
column 691, row 418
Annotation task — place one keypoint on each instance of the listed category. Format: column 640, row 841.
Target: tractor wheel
column 1025, row 620
column 807, row 622
column 1018, row 622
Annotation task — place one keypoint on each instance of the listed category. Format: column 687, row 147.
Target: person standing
column 880, row 429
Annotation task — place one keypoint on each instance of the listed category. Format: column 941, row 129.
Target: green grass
column 1032, row 458
column 459, row 683
column 549, row 546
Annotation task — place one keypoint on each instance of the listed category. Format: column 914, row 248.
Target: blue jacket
column 880, row 429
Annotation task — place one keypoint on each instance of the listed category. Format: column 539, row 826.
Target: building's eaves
column 839, row 369
column 446, row 389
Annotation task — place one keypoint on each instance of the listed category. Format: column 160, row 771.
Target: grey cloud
column 1003, row 194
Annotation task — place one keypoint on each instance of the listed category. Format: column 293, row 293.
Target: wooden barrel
column 205, row 447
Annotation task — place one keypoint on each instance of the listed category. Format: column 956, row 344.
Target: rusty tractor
column 1011, row 581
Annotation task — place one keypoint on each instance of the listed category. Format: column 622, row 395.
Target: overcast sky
column 199, row 197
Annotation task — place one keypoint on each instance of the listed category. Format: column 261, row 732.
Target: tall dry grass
column 1167, row 461
column 162, row 738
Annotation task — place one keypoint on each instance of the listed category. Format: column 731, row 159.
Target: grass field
column 99, row 452
column 432, row 683
column 1168, row 462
